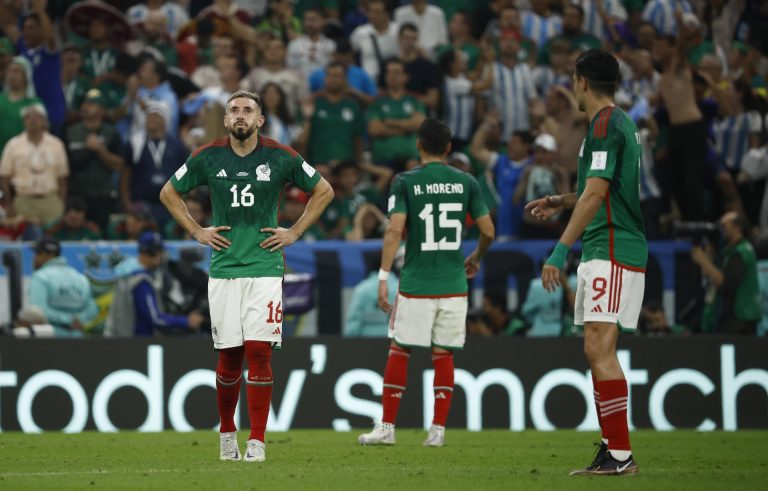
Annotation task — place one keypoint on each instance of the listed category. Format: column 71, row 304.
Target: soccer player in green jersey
column 611, row 277
column 430, row 309
column 246, row 174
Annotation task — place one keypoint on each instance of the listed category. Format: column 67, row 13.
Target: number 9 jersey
column 245, row 195
column 436, row 199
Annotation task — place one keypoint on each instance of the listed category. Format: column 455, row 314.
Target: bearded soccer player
column 611, row 278
column 245, row 173
column 430, row 309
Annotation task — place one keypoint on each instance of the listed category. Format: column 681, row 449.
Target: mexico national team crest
column 262, row 172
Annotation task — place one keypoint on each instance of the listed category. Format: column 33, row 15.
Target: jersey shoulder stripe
column 219, row 142
column 270, row 143
column 601, row 125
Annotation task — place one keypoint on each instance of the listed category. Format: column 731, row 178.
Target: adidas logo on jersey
column 441, row 395
column 396, row 395
column 597, row 309
column 276, row 331
column 222, row 173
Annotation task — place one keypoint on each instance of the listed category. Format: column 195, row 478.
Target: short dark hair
column 434, row 136
column 525, row 136
column 742, row 222
column 335, row 64
column 247, row 95
column 600, row 69
column 343, row 46
column 408, row 26
column 575, row 6
column 344, row 165
column 76, row 203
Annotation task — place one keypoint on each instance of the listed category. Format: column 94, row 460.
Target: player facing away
column 611, row 277
column 432, row 202
column 245, row 173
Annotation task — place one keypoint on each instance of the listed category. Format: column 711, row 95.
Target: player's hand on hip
column 550, row 277
column 471, row 265
column 384, row 297
column 210, row 236
column 545, row 208
column 281, row 237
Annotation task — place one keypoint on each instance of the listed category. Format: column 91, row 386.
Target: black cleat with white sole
column 608, row 466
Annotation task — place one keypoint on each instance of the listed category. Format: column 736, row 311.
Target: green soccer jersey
column 335, row 125
column 245, row 193
column 611, row 151
column 436, row 199
column 386, row 149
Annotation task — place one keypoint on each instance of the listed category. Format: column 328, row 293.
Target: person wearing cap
column 543, row 178
column 95, row 155
column 73, row 225
column 135, row 310
column 63, row 293
column 150, row 162
column 359, row 84
column 138, row 218
column 35, row 166
column 18, row 93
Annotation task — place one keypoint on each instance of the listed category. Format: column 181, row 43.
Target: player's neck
column 596, row 105
column 244, row 147
column 430, row 159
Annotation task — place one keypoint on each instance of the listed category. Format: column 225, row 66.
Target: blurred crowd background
column 103, row 100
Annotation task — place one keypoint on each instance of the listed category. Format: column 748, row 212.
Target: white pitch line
column 98, row 472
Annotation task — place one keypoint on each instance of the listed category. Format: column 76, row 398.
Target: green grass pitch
column 325, row 460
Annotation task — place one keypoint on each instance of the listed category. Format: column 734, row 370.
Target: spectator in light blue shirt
column 364, row 318
column 362, row 85
column 63, row 293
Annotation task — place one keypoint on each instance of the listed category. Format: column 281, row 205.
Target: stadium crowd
column 102, row 101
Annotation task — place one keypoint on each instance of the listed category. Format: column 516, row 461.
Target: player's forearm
column 583, row 213
column 172, row 201
column 389, row 248
column 322, row 195
column 487, row 234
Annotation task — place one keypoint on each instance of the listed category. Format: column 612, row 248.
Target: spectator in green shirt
column 334, row 124
column 393, row 120
column 573, row 20
column 73, row 224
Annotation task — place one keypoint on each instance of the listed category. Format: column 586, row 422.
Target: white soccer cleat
column 228, row 449
column 381, row 435
column 254, row 451
column 435, row 437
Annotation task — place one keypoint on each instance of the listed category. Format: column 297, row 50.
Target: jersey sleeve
column 302, row 174
column 397, row 199
column 603, row 153
column 191, row 174
column 476, row 206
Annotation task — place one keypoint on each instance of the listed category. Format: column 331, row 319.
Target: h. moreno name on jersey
column 440, row 188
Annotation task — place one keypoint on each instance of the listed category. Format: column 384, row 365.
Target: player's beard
column 242, row 133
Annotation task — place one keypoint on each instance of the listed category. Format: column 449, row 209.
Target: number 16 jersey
column 436, row 199
column 245, row 194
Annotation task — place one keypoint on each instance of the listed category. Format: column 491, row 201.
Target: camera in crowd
column 698, row 233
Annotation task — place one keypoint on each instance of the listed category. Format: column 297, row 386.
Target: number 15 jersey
column 436, row 199
column 245, row 194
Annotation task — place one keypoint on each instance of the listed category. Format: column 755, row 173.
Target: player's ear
column 260, row 121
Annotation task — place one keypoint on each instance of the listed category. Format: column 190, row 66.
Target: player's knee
column 393, row 346
column 230, row 364
column 258, row 352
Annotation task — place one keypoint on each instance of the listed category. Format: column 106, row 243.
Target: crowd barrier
column 703, row 382
column 337, row 267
